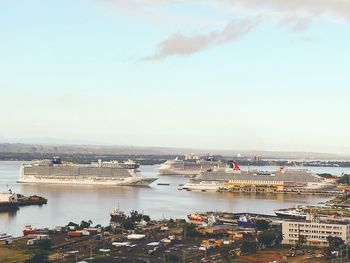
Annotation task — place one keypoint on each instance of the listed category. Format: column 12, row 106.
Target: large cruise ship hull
column 203, row 186
column 92, row 176
column 232, row 178
column 178, row 172
column 88, row 181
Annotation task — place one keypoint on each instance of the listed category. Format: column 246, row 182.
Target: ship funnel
column 233, row 165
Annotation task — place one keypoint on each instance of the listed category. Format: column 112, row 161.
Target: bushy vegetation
column 262, row 224
column 41, row 252
column 129, row 222
column 38, row 258
column 248, row 247
column 344, row 179
column 335, row 242
column 227, row 252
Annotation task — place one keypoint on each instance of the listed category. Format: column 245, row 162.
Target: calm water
column 76, row 203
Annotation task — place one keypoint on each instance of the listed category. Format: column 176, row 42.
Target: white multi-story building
column 315, row 231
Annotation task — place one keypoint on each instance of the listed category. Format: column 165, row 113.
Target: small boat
column 295, row 213
column 197, row 218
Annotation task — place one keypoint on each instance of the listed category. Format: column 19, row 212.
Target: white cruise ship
column 232, row 177
column 186, row 167
column 100, row 173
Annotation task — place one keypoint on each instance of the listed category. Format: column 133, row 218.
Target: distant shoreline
column 153, row 159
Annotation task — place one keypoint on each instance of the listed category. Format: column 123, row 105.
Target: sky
column 216, row 74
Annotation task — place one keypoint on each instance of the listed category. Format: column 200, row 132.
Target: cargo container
column 28, row 230
column 74, row 234
column 85, row 233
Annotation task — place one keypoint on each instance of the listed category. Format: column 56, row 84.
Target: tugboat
column 117, row 216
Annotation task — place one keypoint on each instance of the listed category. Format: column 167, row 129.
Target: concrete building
column 315, row 231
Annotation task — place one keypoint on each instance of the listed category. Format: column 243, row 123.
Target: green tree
column 262, row 224
column 146, row 218
column 335, row 242
column 267, row 238
column 172, row 258
column 38, row 258
column 248, row 247
column 45, row 244
column 344, row 179
column 107, row 228
column 279, row 238
column 135, row 216
column 301, row 240
column 128, row 225
column 190, row 230
column 85, row 224
column 171, row 222
column 227, row 252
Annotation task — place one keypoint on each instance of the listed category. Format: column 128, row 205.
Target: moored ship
column 295, row 213
column 187, row 167
column 8, row 202
column 101, row 173
column 232, row 177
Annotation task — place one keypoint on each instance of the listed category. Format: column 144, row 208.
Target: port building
column 314, row 231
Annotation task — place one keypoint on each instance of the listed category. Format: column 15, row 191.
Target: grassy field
column 16, row 252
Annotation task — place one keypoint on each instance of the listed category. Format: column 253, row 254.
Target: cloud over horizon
column 182, row 45
column 295, row 15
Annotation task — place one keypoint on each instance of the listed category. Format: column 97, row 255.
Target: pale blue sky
column 204, row 74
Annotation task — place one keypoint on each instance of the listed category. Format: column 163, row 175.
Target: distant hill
column 134, row 150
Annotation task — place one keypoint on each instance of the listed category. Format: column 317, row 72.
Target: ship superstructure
column 232, row 177
column 100, row 173
column 187, row 167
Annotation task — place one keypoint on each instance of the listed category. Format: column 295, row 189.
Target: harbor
column 76, row 202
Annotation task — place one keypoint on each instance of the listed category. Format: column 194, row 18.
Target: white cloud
column 295, row 15
column 179, row 44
